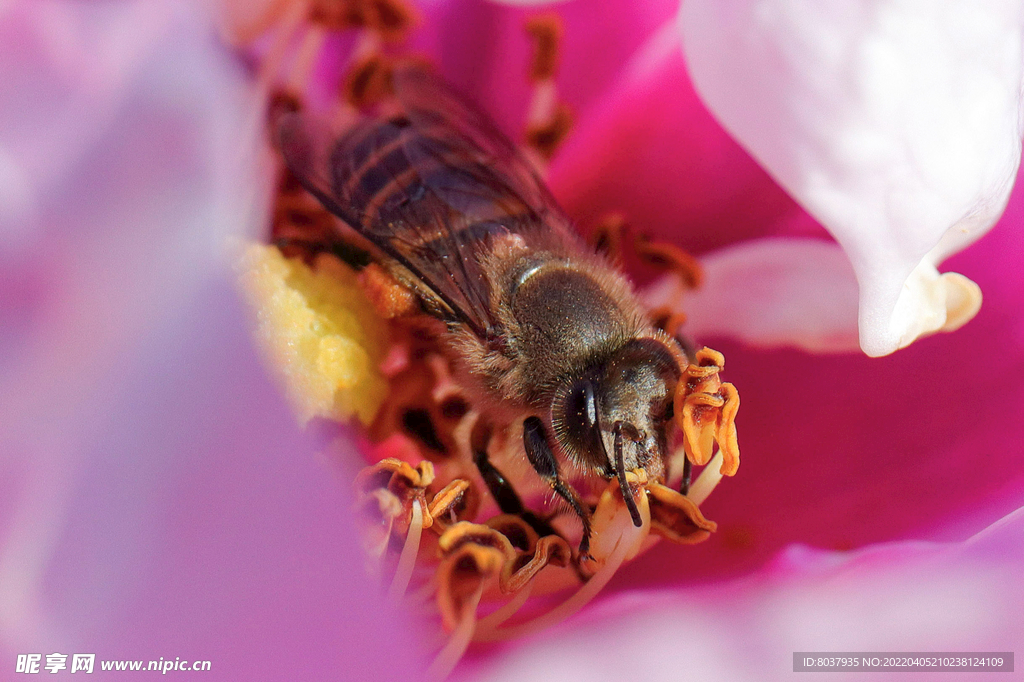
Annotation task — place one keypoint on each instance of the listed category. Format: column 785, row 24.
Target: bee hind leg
column 541, row 457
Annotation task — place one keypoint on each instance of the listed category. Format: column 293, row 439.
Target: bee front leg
column 684, row 485
column 542, row 458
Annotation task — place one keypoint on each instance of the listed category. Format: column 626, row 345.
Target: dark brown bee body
column 545, row 331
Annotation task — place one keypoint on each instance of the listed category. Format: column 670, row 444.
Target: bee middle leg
column 500, row 487
column 542, row 458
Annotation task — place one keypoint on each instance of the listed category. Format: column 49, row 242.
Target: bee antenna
column 620, row 469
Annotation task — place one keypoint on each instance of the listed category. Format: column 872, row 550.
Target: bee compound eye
column 581, row 406
column 589, row 404
column 576, row 422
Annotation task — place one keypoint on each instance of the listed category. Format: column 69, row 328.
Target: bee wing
column 432, row 187
column 448, row 118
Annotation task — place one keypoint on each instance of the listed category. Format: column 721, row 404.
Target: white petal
column 896, row 123
column 771, row 293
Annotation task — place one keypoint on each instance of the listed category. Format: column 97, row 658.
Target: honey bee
column 544, row 330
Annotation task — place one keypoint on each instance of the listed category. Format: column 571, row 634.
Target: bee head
column 614, row 418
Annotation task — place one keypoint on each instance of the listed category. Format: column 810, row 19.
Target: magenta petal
column 653, row 152
column 482, row 47
column 902, row 597
column 839, row 452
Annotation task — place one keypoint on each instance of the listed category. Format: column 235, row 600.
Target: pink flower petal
column 908, row 597
column 156, row 498
column 773, row 293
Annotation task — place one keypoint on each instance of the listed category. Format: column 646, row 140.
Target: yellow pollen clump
column 318, row 332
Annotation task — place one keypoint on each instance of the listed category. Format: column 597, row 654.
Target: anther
column 368, row 82
column 672, row 258
column 608, row 236
column 545, row 137
column 546, row 32
column 676, row 517
column 668, row 320
column 548, row 120
column 705, row 410
column 391, row 19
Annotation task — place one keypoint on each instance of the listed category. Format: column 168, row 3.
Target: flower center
column 454, row 520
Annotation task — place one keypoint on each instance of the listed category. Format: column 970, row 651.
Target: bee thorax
column 564, row 320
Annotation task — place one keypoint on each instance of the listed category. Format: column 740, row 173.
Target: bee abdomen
column 392, row 172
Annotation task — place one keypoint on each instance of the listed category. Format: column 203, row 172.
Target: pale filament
column 425, row 593
column 270, row 65
column 305, row 59
column 707, row 481
column 367, row 44
column 543, row 104
column 509, row 609
column 459, row 641
column 407, row 560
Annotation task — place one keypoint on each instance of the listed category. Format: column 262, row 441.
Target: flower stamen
column 548, row 120
column 670, row 258
column 705, row 410
column 580, row 598
column 270, row 65
column 668, row 320
column 676, row 517
column 510, row 608
column 473, row 556
column 616, row 539
column 608, row 236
